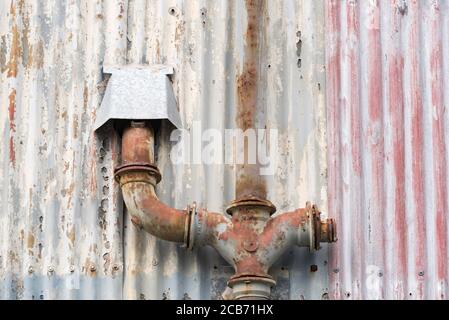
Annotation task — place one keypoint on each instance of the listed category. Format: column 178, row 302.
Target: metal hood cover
column 138, row 92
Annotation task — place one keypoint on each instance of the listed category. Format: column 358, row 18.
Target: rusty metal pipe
column 250, row 112
column 138, row 177
column 249, row 238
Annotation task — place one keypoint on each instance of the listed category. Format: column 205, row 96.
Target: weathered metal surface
column 387, row 98
column 62, row 234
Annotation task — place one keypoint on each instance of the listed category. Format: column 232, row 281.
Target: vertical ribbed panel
column 60, row 208
column 60, row 216
column 387, row 94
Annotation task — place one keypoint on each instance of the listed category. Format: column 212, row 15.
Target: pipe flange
column 251, row 202
column 152, row 170
column 314, row 226
column 251, row 287
column 190, row 227
column 316, row 217
column 194, row 227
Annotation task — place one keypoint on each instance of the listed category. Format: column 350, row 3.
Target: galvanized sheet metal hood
column 138, row 92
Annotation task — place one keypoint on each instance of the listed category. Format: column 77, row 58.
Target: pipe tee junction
column 249, row 236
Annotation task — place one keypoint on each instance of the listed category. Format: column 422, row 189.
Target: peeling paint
column 12, row 126
column 15, row 53
column 36, row 59
column 30, row 240
column 3, row 52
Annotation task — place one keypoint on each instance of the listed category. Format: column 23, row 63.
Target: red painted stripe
column 396, row 113
column 417, row 137
column 375, row 143
column 353, row 30
column 439, row 148
column 355, row 129
column 333, row 68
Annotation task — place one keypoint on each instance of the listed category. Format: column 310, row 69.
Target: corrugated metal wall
column 62, row 232
column 388, row 131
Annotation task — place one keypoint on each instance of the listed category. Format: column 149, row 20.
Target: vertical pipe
column 249, row 182
column 138, row 144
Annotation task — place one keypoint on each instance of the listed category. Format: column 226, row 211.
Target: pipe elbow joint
column 147, row 211
column 138, row 177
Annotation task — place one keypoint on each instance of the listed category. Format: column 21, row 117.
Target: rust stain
column 13, row 257
column 85, row 96
column 247, row 81
column 93, row 248
column 249, row 182
column 30, row 240
column 93, row 166
column 75, row 126
column 21, row 4
column 28, row 60
column 247, row 96
column 15, row 53
column 89, row 267
column 70, row 191
column 27, row 49
column 249, row 264
column 122, row 10
column 180, row 28
column 66, row 167
column 12, row 126
column 12, row 10
column 36, row 59
column 12, row 109
column 71, row 235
